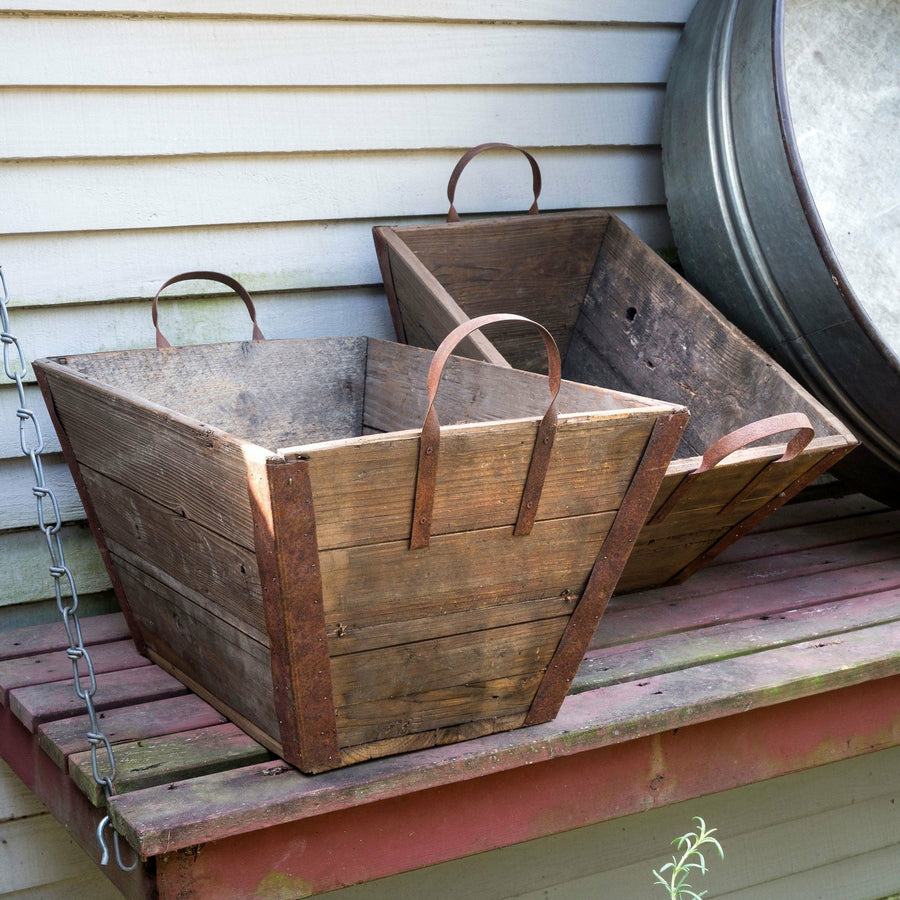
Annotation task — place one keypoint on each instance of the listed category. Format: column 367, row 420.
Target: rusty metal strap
column 466, row 158
column 227, row 280
column 429, row 443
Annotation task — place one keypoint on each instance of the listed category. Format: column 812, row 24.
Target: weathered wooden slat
column 641, row 659
column 762, row 570
column 626, row 11
column 248, row 189
column 169, row 758
column 39, row 703
column 344, row 639
column 215, row 806
column 550, row 258
column 197, row 557
column 765, row 544
column 47, row 667
column 111, row 437
column 125, row 51
column 621, row 625
column 368, row 496
column 359, row 591
column 481, row 675
column 134, row 721
column 709, row 373
column 795, row 552
column 34, row 639
column 176, row 122
column 199, row 647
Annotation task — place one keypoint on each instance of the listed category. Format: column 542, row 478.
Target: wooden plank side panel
column 418, row 320
column 725, row 379
column 484, row 573
column 536, row 266
column 168, row 544
column 199, row 648
column 435, row 683
column 123, row 440
column 364, row 493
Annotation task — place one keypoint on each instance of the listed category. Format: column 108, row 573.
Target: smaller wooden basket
column 625, row 320
column 288, row 539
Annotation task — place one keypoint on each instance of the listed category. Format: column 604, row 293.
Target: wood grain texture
column 536, row 266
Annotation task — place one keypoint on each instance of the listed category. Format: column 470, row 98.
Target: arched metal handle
column 429, row 443
column 737, row 440
column 227, row 280
column 453, row 215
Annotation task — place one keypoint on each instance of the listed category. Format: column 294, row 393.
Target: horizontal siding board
column 26, row 577
column 53, row 268
column 19, row 509
column 76, row 122
column 479, row 10
column 165, row 51
column 188, row 191
column 90, row 328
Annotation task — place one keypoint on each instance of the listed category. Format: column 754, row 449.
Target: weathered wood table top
column 783, row 655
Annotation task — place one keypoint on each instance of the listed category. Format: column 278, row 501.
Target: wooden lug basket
column 288, row 539
column 623, row 319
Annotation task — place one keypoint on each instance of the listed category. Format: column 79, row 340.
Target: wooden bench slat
column 672, row 652
column 56, row 666
column 32, row 639
column 168, row 758
column 624, row 623
column 39, row 703
column 139, row 721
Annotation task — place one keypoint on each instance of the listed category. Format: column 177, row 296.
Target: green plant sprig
column 692, row 858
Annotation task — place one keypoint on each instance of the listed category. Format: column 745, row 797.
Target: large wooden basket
column 288, row 539
column 623, row 319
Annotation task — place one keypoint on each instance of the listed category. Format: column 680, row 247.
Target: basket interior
column 622, row 318
column 290, row 393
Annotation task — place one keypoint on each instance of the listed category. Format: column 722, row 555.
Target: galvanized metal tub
column 802, row 257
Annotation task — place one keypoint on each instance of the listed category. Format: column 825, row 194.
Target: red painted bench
column 783, row 655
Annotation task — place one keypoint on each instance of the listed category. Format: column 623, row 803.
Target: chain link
column 31, row 441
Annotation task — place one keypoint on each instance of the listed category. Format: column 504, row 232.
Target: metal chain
column 31, row 441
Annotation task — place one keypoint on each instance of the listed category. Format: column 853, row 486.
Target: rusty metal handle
column 429, row 443
column 737, row 440
column 227, row 280
column 453, row 215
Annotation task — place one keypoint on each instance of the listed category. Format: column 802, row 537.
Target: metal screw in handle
column 31, row 442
